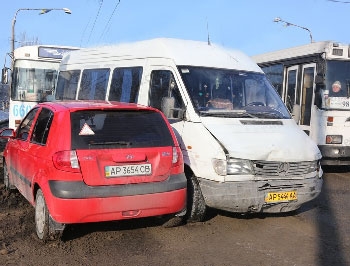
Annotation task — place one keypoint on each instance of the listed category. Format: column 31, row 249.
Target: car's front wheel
column 8, row 185
column 43, row 222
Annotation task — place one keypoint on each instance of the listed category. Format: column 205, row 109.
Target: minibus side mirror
column 296, row 113
column 168, row 108
column 4, row 76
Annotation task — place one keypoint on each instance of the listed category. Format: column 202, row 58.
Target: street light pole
column 43, row 11
column 278, row 19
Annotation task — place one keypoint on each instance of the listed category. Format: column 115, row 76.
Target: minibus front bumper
column 251, row 196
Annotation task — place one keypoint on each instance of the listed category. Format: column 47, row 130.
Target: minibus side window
column 67, row 85
column 125, row 84
column 93, row 84
column 165, row 95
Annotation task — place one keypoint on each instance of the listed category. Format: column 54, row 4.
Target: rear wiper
column 120, row 143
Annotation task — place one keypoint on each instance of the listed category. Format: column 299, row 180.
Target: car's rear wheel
column 44, row 225
column 173, row 221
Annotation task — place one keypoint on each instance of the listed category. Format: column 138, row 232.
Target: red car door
column 22, row 164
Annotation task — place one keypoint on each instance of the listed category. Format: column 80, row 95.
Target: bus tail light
column 334, row 139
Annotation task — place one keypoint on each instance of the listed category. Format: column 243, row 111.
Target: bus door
column 306, row 96
column 290, row 96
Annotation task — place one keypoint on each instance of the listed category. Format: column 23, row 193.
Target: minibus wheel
column 196, row 207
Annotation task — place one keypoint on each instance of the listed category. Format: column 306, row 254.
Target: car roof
column 76, row 105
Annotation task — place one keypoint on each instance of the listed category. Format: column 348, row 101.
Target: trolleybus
column 34, row 72
column 314, row 82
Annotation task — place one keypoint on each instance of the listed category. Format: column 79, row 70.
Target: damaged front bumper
column 251, row 196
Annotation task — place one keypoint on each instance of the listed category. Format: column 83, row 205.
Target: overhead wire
column 97, row 15
column 109, row 20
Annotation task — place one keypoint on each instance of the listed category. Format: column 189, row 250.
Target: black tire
column 8, row 185
column 173, row 221
column 43, row 222
column 196, row 207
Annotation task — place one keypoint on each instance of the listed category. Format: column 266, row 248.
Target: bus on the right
column 314, row 82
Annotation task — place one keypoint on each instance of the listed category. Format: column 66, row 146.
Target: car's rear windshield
column 96, row 129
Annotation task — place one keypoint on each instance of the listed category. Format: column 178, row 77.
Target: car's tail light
column 177, row 161
column 175, row 155
column 66, row 161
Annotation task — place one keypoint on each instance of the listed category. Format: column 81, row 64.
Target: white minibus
column 242, row 150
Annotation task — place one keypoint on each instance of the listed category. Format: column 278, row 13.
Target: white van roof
column 182, row 52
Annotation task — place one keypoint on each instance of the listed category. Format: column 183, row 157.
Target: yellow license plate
column 281, row 196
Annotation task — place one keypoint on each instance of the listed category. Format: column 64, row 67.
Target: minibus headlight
column 220, row 166
column 239, row 167
column 232, row 167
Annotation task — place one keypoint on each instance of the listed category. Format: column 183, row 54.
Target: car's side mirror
column 7, row 133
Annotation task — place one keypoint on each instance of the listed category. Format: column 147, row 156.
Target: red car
column 78, row 162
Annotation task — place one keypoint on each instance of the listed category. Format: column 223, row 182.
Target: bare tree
column 24, row 40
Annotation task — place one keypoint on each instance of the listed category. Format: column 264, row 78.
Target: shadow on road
column 330, row 246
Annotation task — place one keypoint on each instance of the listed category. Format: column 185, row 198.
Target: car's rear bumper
column 75, row 202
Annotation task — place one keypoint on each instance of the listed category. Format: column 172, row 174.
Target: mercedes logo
column 283, row 168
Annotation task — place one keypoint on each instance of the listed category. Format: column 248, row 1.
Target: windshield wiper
column 269, row 115
column 227, row 113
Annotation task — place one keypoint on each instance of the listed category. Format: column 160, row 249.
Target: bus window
column 67, row 85
column 93, row 84
column 307, row 92
column 125, row 84
column 275, row 75
column 291, row 89
column 32, row 84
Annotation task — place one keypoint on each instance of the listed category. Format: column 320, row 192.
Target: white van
column 242, row 150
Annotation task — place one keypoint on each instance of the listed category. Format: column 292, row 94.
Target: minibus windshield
column 230, row 93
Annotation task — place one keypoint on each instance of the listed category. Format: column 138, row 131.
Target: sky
column 246, row 25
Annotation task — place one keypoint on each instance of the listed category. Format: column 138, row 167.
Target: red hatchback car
column 78, row 162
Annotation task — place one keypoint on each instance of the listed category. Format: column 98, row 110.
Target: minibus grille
column 282, row 169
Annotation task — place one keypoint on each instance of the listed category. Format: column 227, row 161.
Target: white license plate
column 128, row 170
